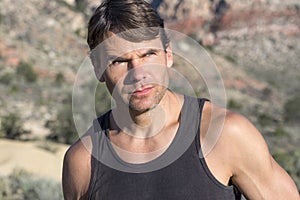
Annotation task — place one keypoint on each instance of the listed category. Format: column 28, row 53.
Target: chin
column 142, row 107
column 147, row 102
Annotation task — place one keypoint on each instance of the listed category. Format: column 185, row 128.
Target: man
column 151, row 145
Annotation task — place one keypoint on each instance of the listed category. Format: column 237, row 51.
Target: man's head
column 136, row 19
column 130, row 52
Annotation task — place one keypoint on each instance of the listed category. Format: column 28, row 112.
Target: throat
column 139, row 125
column 136, row 150
column 141, row 138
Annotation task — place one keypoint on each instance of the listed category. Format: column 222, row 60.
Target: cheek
column 109, row 80
column 113, row 76
column 114, row 81
column 158, row 72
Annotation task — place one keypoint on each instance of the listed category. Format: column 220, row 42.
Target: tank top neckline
column 161, row 157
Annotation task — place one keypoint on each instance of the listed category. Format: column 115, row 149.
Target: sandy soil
column 32, row 157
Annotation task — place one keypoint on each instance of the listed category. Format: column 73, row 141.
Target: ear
column 169, row 56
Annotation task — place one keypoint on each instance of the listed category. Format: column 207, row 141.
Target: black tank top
column 179, row 173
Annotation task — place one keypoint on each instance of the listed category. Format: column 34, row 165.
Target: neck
column 148, row 123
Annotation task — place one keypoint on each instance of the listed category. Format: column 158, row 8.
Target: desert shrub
column 265, row 119
column 63, row 129
column 234, row 105
column 102, row 100
column 1, row 18
column 3, row 187
column 15, row 88
column 12, row 126
column 25, row 70
column 59, row 78
column 6, row 78
column 78, row 32
column 267, row 92
column 23, row 185
column 292, row 110
column 46, row 145
column 80, row 5
column 280, row 131
column 230, row 59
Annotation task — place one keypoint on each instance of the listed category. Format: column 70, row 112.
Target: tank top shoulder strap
column 201, row 102
column 99, row 125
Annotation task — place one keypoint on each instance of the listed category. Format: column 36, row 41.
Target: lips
column 142, row 91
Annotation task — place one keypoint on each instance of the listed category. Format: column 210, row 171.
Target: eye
column 117, row 62
column 150, row 53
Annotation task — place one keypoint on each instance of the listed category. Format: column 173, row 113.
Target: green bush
column 280, row 131
column 46, row 145
column 292, row 110
column 80, row 5
column 63, row 129
column 6, row 78
column 267, row 92
column 15, row 88
column 102, row 100
column 265, row 119
column 12, row 126
column 234, row 105
column 22, row 185
column 1, row 18
column 59, row 78
column 25, row 70
column 230, row 59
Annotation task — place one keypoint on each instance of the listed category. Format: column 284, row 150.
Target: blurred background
column 255, row 45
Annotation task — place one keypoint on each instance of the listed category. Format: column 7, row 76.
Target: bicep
column 255, row 172
column 76, row 173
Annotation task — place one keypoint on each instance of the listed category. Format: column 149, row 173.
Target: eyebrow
column 114, row 57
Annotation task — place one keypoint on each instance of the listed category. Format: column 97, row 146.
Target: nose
column 137, row 74
column 134, row 63
column 137, row 71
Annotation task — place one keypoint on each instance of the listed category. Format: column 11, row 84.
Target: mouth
column 142, row 91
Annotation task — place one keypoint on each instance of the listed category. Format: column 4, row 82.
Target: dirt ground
column 43, row 159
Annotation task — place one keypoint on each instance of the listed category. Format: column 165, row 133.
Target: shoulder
column 241, row 149
column 79, row 151
column 77, row 168
column 232, row 127
column 233, row 131
column 230, row 140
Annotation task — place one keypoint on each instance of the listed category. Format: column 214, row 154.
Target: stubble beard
column 144, row 103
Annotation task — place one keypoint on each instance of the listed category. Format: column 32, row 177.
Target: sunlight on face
column 136, row 72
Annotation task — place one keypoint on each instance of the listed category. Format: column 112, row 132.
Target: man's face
column 136, row 73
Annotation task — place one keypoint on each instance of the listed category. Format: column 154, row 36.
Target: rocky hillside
column 44, row 35
column 255, row 44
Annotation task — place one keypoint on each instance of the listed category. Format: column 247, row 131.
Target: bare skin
column 240, row 153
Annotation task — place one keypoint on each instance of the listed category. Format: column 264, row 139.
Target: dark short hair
column 134, row 20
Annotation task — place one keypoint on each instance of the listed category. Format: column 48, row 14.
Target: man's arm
column 254, row 171
column 76, row 171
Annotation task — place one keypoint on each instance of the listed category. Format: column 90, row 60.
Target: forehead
column 116, row 45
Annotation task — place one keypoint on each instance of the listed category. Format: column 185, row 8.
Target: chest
column 185, row 178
